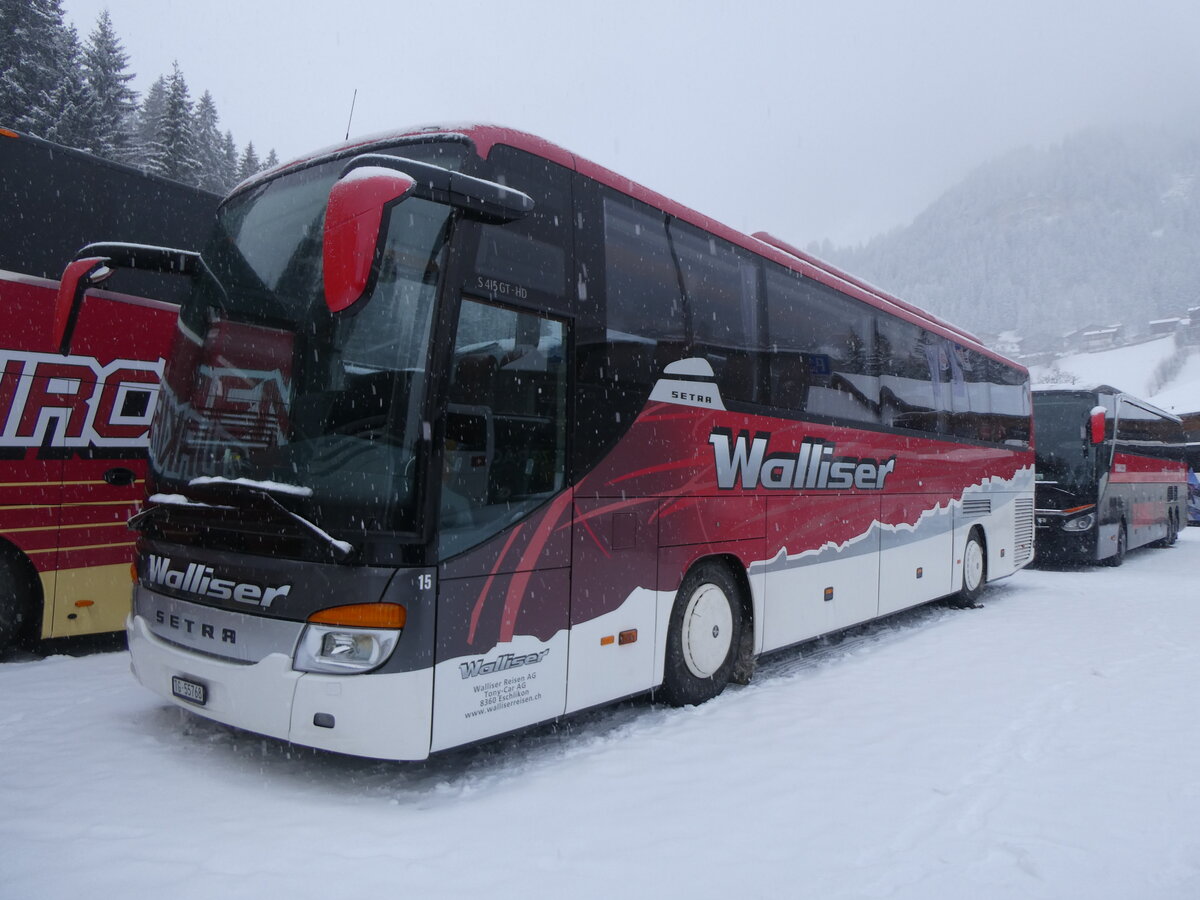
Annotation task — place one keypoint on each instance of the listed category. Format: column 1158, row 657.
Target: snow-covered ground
column 1134, row 369
column 1044, row 746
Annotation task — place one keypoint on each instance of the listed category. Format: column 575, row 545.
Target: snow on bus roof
column 484, row 136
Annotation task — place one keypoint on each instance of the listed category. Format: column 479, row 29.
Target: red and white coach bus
column 461, row 432
column 1111, row 474
column 73, row 429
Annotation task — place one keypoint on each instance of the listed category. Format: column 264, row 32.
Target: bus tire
column 974, row 577
column 19, row 602
column 703, row 636
column 1122, row 546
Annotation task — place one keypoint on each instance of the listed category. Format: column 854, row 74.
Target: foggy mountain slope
column 1103, row 228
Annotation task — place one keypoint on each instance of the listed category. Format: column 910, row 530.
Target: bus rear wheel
column 703, row 636
column 974, row 569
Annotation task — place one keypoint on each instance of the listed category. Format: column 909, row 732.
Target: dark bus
column 461, row 432
column 1111, row 475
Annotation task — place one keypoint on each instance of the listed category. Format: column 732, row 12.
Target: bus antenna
column 351, row 119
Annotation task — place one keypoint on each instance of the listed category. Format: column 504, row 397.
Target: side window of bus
column 721, row 287
column 822, row 343
column 506, row 439
column 914, row 365
column 527, row 260
column 1011, row 405
column 644, row 309
column 1142, row 431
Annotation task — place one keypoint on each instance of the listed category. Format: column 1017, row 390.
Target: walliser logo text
column 197, row 579
column 505, row 662
column 745, row 461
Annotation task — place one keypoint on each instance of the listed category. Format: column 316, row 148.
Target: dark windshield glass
column 1065, row 454
column 266, row 388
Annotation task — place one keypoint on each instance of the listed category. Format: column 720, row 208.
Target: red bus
column 462, row 433
column 73, row 428
column 1111, row 475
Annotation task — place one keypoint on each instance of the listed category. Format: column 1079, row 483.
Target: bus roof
column 483, row 137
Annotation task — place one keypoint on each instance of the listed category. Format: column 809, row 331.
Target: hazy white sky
column 809, row 119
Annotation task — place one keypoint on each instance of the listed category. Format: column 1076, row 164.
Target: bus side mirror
column 1096, row 421
column 354, row 235
column 96, row 262
column 79, row 275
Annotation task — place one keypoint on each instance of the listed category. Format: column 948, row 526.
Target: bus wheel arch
column 21, row 599
column 710, row 632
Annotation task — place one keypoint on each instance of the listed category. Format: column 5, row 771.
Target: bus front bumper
column 383, row 716
column 1054, row 545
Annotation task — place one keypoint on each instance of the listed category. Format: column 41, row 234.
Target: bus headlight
column 1083, row 523
column 349, row 639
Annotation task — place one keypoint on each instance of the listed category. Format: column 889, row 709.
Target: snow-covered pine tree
column 229, row 162
column 72, row 117
column 210, row 149
column 106, row 67
column 270, row 162
column 31, row 44
column 249, row 164
column 149, row 151
column 175, row 132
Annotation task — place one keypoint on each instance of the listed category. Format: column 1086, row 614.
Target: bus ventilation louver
column 1024, row 531
column 973, row 509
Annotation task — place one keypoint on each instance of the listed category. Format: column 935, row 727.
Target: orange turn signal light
column 362, row 615
column 82, row 603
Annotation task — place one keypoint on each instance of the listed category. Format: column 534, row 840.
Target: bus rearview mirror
column 354, row 234
column 1096, row 425
column 97, row 262
column 79, row 275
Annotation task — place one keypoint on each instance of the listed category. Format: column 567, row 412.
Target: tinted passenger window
column 721, row 286
column 912, row 361
column 1010, row 404
column 823, row 356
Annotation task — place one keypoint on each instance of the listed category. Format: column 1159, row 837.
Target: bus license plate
column 191, row 691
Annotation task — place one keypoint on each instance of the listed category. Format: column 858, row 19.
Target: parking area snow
column 1044, row 746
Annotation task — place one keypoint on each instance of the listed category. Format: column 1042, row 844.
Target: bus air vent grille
column 972, row 509
column 1024, row 531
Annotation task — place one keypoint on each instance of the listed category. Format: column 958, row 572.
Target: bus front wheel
column 703, row 637
column 18, row 602
column 1122, row 546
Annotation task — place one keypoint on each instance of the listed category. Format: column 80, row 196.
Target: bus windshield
column 266, row 388
column 1065, row 456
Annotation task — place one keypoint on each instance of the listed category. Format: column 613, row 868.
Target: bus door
column 504, row 526
column 102, row 487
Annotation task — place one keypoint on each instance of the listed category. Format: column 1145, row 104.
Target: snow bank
column 1041, row 747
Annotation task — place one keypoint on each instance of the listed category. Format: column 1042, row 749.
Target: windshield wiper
column 238, row 492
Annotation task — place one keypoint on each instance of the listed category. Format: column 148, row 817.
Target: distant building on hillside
column 1100, row 337
column 1191, row 329
column 1160, row 327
